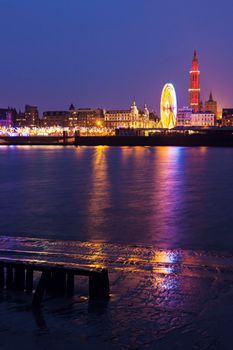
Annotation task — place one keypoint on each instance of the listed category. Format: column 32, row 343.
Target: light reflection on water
column 171, row 197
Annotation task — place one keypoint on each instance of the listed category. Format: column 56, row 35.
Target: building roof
column 118, row 111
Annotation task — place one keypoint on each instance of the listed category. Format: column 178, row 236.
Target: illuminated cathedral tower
column 194, row 88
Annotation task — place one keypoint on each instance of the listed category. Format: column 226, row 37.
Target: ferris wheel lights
column 168, row 106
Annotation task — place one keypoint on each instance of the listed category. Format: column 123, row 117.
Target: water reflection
column 168, row 196
column 98, row 199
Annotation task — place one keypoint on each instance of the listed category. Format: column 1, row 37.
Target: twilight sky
column 103, row 53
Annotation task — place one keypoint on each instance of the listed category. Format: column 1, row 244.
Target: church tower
column 134, row 110
column 194, row 87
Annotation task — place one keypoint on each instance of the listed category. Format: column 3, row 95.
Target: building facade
column 184, row 116
column 203, row 119
column 32, row 115
column 56, row 118
column 227, row 117
column 6, row 118
column 29, row 118
column 90, row 118
column 194, row 85
column 131, row 118
column 211, row 105
column 81, row 117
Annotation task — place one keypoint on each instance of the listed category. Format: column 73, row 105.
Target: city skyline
column 105, row 55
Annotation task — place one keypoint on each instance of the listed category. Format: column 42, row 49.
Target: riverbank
column 184, row 140
column 210, row 139
column 160, row 299
column 37, row 140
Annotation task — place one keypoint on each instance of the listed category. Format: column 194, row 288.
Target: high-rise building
column 194, row 87
column 211, row 105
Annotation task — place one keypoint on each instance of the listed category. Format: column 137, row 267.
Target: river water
column 171, row 197
column 160, row 219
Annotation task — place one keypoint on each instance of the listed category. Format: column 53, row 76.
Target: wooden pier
column 55, row 279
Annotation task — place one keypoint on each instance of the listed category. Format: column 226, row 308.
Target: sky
column 105, row 53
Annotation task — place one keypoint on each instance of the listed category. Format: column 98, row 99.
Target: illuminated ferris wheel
column 168, row 107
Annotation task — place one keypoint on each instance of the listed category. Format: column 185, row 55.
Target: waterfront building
column 72, row 117
column 28, row 118
column 211, row 105
column 56, row 118
column 89, row 117
column 31, row 114
column 81, row 117
column 155, row 119
column 129, row 118
column 20, row 120
column 184, row 116
column 203, row 119
column 194, row 87
column 6, row 117
column 227, row 117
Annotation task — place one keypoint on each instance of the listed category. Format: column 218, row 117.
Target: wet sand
column 160, row 299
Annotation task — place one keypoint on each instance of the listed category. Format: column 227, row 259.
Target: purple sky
column 103, row 53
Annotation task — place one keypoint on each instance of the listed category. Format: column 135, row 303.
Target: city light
column 168, row 107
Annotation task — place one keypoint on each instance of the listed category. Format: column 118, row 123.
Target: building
column 129, row 118
column 89, row 118
column 29, row 118
column 153, row 116
column 6, row 117
column 227, row 117
column 184, row 116
column 31, row 115
column 211, row 105
column 56, row 118
column 81, row 117
column 203, row 119
column 194, row 86
column 20, row 120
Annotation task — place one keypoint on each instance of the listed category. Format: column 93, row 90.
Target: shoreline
column 210, row 139
column 159, row 300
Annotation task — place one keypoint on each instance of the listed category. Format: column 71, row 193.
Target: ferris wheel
column 168, row 107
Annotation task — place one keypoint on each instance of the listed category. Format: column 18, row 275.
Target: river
column 171, row 197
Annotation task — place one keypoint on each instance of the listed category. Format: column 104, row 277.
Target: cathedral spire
column 194, row 86
column 195, row 55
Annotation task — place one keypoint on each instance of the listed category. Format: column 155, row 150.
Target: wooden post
column 59, row 281
column 2, row 277
column 49, row 285
column 19, row 278
column 29, row 279
column 70, row 284
column 99, row 285
column 40, row 289
column 9, row 277
column 105, row 280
